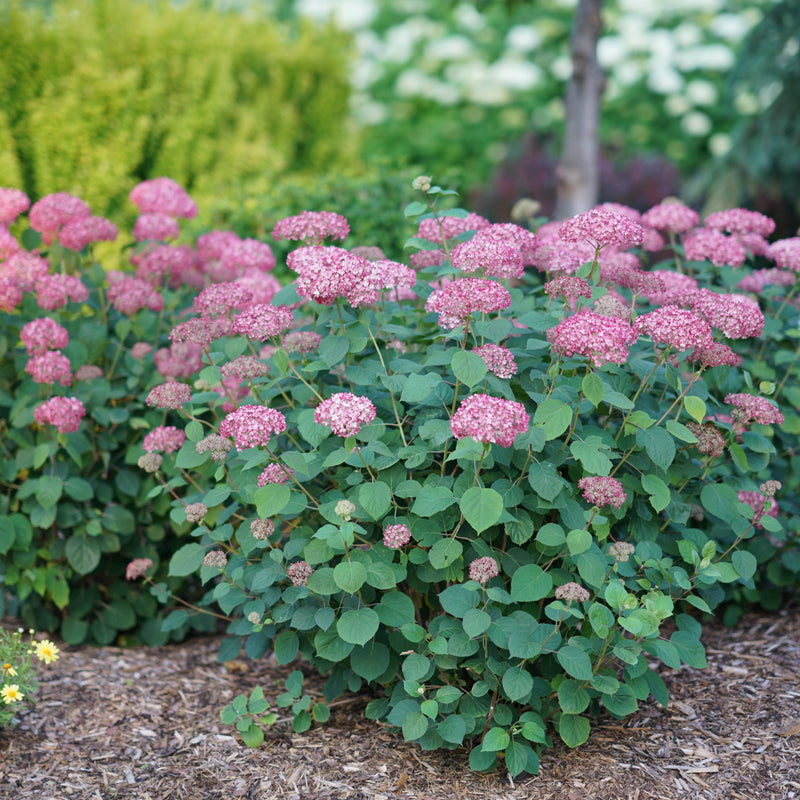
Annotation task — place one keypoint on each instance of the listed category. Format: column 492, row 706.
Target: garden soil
column 143, row 724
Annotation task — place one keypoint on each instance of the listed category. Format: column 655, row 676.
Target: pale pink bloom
column 137, row 568
column 602, row 228
column 612, row 304
column 517, row 237
column 129, row 294
column 300, row 342
column 602, row 491
column 214, row 558
column 275, row 473
column 164, row 438
column 556, row 255
column 164, row 196
column 653, row 241
column 64, row 413
column 345, row 413
column 88, row 372
column 40, row 335
column 396, row 536
column 54, row 291
column 169, row 395
column 262, row 528
column 216, row 446
column 447, row 227
column 762, row 506
column 369, row 252
column 499, row 360
column 489, row 419
column 53, row 211
column 715, row 354
column 741, row 221
column 155, row 226
column 220, row 299
column 10, row 293
column 251, row 426
column 196, row 512
column 736, row 315
column 391, row 275
column 674, row 327
column 312, row 227
column 459, row 300
column 244, row 368
column 572, row 592
column 26, row 268
column 327, row 273
column 50, row 367
column 80, row 233
column 8, row 244
column 719, row 249
column 598, row 338
column 201, row 330
column 620, row 208
column 568, row 287
column 761, row 278
column 262, row 285
column 754, row 243
column 179, row 360
column 262, row 321
column 675, row 284
column 482, row 570
column 751, row 408
column 247, row 254
column 786, row 253
column 489, row 256
column 141, row 349
column 12, row 203
column 675, row 217
column 421, row 259
column 177, row 265
column 213, row 244
column 299, row 572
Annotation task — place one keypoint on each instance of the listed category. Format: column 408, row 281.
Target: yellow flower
column 46, row 651
column 9, row 670
column 11, row 693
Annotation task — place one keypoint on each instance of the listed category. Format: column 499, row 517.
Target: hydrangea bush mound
column 483, row 493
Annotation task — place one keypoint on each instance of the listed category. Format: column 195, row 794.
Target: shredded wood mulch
column 143, row 724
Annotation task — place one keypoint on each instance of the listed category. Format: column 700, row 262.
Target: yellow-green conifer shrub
column 101, row 94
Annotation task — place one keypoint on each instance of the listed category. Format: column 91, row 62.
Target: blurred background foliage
column 251, row 99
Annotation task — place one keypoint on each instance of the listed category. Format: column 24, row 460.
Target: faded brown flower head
column 150, row 462
column 572, row 591
column 621, row 551
column 770, row 488
column 195, row 512
column 262, row 528
column 216, row 558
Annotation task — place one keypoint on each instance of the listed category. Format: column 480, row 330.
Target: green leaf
column 658, row 491
column 457, row 600
column 520, row 757
column 572, row 697
column 375, row 498
column 253, row 736
column 431, row 500
column 695, row 407
column 530, row 583
column 445, row 552
column 280, row 358
column 358, row 626
column 83, row 553
column 370, row 661
column 332, row 349
column 573, row 730
column 545, row 481
column 320, row 712
column 481, row 507
column 554, row 416
column 414, row 209
column 658, row 444
column 720, row 500
column 575, row 662
column 476, row 622
column 496, row 739
column 745, row 564
column 286, row 646
column 469, row 368
column 418, row 387
column 350, row 576
column 517, row 684
column 591, row 457
column 452, row 729
column 622, row 702
column 415, row 725
column 271, row 499
column 578, row 542
column 78, row 489
column 186, row 560
column 593, row 388
column 48, row 490
column 330, row 646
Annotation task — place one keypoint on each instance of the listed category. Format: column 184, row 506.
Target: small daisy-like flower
column 8, row 669
column 482, row 570
column 275, row 473
column 216, row 446
column 499, row 360
column 602, row 491
column 195, row 512
column 396, row 536
column 216, row 558
column 312, row 227
column 164, row 438
column 345, row 413
column 150, row 462
column 572, row 592
column 169, row 395
column 299, row 572
column 750, row 408
column 345, row 509
column 489, row 419
column 621, row 551
column 11, row 693
column 262, row 528
column 598, row 338
column 46, row 651
column 251, row 426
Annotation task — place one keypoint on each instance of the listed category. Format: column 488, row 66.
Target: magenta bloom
column 675, row 285
column 179, row 360
column 602, row 491
column 299, row 572
column 344, row 413
column 9, row 246
column 155, row 226
column 489, row 256
column 555, row 255
column 715, row 354
column 40, row 335
column 213, row 244
column 761, row 278
column 54, row 211
column 391, row 275
column 54, row 291
column 129, row 294
column 396, row 536
column 675, row 217
column 251, row 426
column 164, row 196
column 164, row 438
column 489, row 419
column 736, row 315
column 450, row 227
column 715, row 246
column 50, row 367
column 598, row 338
column 64, row 413
column 312, row 227
column 482, row 570
column 80, row 233
column 740, row 221
column 458, row 300
column 220, row 299
column 263, row 321
column 26, row 268
column 427, row 258
column 751, row 408
column 499, row 360
column 12, row 203
column 10, row 293
column 175, row 264
column 602, row 228
column 519, row 238
column 247, row 254
column 169, row 395
column 275, row 473
column 674, row 327
column 327, row 273
column 244, row 368
column 786, row 253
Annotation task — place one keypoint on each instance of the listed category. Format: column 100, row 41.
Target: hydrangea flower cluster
column 312, row 227
column 54, row 211
column 554, row 255
column 164, row 439
column 263, row 321
column 201, row 330
column 602, row 491
column 715, row 354
column 195, row 512
column 262, row 528
column 88, row 372
column 10, row 293
column 740, row 221
column 179, row 360
column 786, row 253
column 220, row 299
column 25, row 268
column 602, row 228
column 674, row 217
column 155, row 226
column 735, row 315
column 9, row 246
column 63, row 413
column 710, row 441
column 457, row 301
column 251, row 426
column 55, row 291
column 169, row 395
column 489, row 256
column 396, row 536
column 482, row 570
column 275, row 473
column 489, row 419
column 176, row 265
column 762, row 506
column 568, row 287
column 751, row 408
column 82, row 232
column 244, row 368
column 216, row 446
column 164, row 196
column 715, row 246
column 759, row 279
column 12, row 203
column 327, row 273
column 150, row 462
column 137, row 568
column 448, row 227
column 621, row 551
column 50, row 367
column 674, row 327
column 129, row 294
column 301, row 342
column 499, row 360
column 299, row 572
column 43, row 334
column 598, row 338
column 216, row 558
column 572, row 592
column 345, row 413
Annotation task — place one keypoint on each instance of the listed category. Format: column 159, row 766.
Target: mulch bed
column 143, row 724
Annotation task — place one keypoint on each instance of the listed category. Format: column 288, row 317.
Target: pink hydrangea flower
column 169, row 395
column 555, row 255
column 164, row 439
column 345, row 413
column 741, row 221
column 458, row 300
column 26, row 268
column 762, row 506
column 754, row 243
column 736, row 315
column 129, row 294
column 164, row 196
column 177, row 265
column 422, row 259
column 489, row 256
column 396, row 536
column 63, row 413
column 761, row 278
column 40, row 335
column 220, row 299
column 299, row 572
column 327, row 273
column 710, row 441
column 247, row 254
column 50, row 367
column 12, row 203
column 244, row 368
column 155, row 226
column 252, row 426
column 312, row 227
column 751, row 408
column 674, row 327
column 499, row 360
column 80, row 233
column 715, row 354
column 88, row 372
column 602, row 228
column 572, row 592
column 482, row 570
column 275, row 473
column 517, row 237
column 568, row 287
column 653, row 241
column 675, row 284
column 10, row 293
column 489, row 419
column 8, row 244
column 598, row 338
column 263, row 321
column 179, row 360
column 786, row 253
column 602, row 491
column 53, row 211
column 137, row 568
column 201, row 330
column 301, row 342
column 262, row 285
column 715, row 246
column 213, row 244
column 389, row 275
column 675, row 217
column 54, row 291
column 447, row 227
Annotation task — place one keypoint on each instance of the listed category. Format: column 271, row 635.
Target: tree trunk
column 577, row 172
